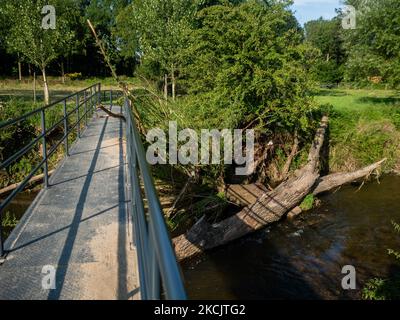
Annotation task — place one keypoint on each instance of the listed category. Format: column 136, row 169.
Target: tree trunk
column 336, row 180
column 247, row 194
column 34, row 86
column 19, row 70
column 173, row 82
column 166, row 87
column 45, row 87
column 62, row 72
column 268, row 208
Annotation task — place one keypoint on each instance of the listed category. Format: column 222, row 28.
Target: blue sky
column 307, row 10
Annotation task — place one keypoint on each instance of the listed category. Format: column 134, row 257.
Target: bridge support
column 44, row 150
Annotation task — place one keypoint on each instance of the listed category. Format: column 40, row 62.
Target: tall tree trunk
column 62, row 72
column 166, row 86
column 173, row 82
column 30, row 70
column 34, row 86
column 45, row 87
column 19, row 70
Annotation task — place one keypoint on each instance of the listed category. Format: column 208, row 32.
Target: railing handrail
column 155, row 252
column 95, row 91
column 157, row 262
column 11, row 122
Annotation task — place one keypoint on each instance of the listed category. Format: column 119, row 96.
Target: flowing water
column 303, row 258
column 18, row 206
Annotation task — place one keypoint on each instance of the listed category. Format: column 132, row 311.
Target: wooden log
column 14, row 186
column 247, row 194
column 112, row 114
column 332, row 181
column 269, row 208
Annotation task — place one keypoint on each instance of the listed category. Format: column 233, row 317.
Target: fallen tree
column 262, row 207
column 247, row 194
column 333, row 181
column 268, row 208
column 33, row 180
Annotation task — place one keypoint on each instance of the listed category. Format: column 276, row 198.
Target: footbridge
column 88, row 234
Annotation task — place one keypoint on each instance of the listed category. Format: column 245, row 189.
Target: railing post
column 44, row 149
column 92, row 100
column 66, row 128
column 111, row 99
column 86, row 109
column 77, row 115
column 1, row 236
column 99, row 95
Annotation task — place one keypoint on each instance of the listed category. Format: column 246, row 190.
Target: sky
column 306, row 10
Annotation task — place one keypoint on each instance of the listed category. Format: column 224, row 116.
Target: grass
column 365, row 127
column 362, row 100
column 307, row 203
column 12, row 88
column 9, row 221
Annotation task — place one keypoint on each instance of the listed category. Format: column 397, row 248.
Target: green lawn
column 365, row 127
column 359, row 100
column 23, row 90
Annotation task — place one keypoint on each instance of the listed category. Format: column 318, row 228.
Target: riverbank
column 364, row 128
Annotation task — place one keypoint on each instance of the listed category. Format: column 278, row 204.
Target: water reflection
column 303, row 259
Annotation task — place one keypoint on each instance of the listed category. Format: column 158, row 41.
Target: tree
column 325, row 35
column 159, row 27
column 6, row 59
column 374, row 46
column 248, row 61
column 103, row 15
column 28, row 38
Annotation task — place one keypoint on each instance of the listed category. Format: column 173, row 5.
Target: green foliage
column 364, row 128
column 155, row 30
column 374, row 46
column 325, row 35
column 307, row 203
column 26, row 36
column 392, row 252
column 9, row 220
column 384, row 289
column 246, row 62
column 380, row 289
column 74, row 75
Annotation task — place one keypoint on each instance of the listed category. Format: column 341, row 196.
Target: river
column 303, row 258
column 18, row 206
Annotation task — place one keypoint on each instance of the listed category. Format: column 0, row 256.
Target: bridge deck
column 79, row 225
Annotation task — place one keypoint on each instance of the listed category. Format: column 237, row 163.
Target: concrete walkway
column 79, row 226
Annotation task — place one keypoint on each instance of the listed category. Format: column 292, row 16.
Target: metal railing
column 156, row 258
column 83, row 106
column 157, row 263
